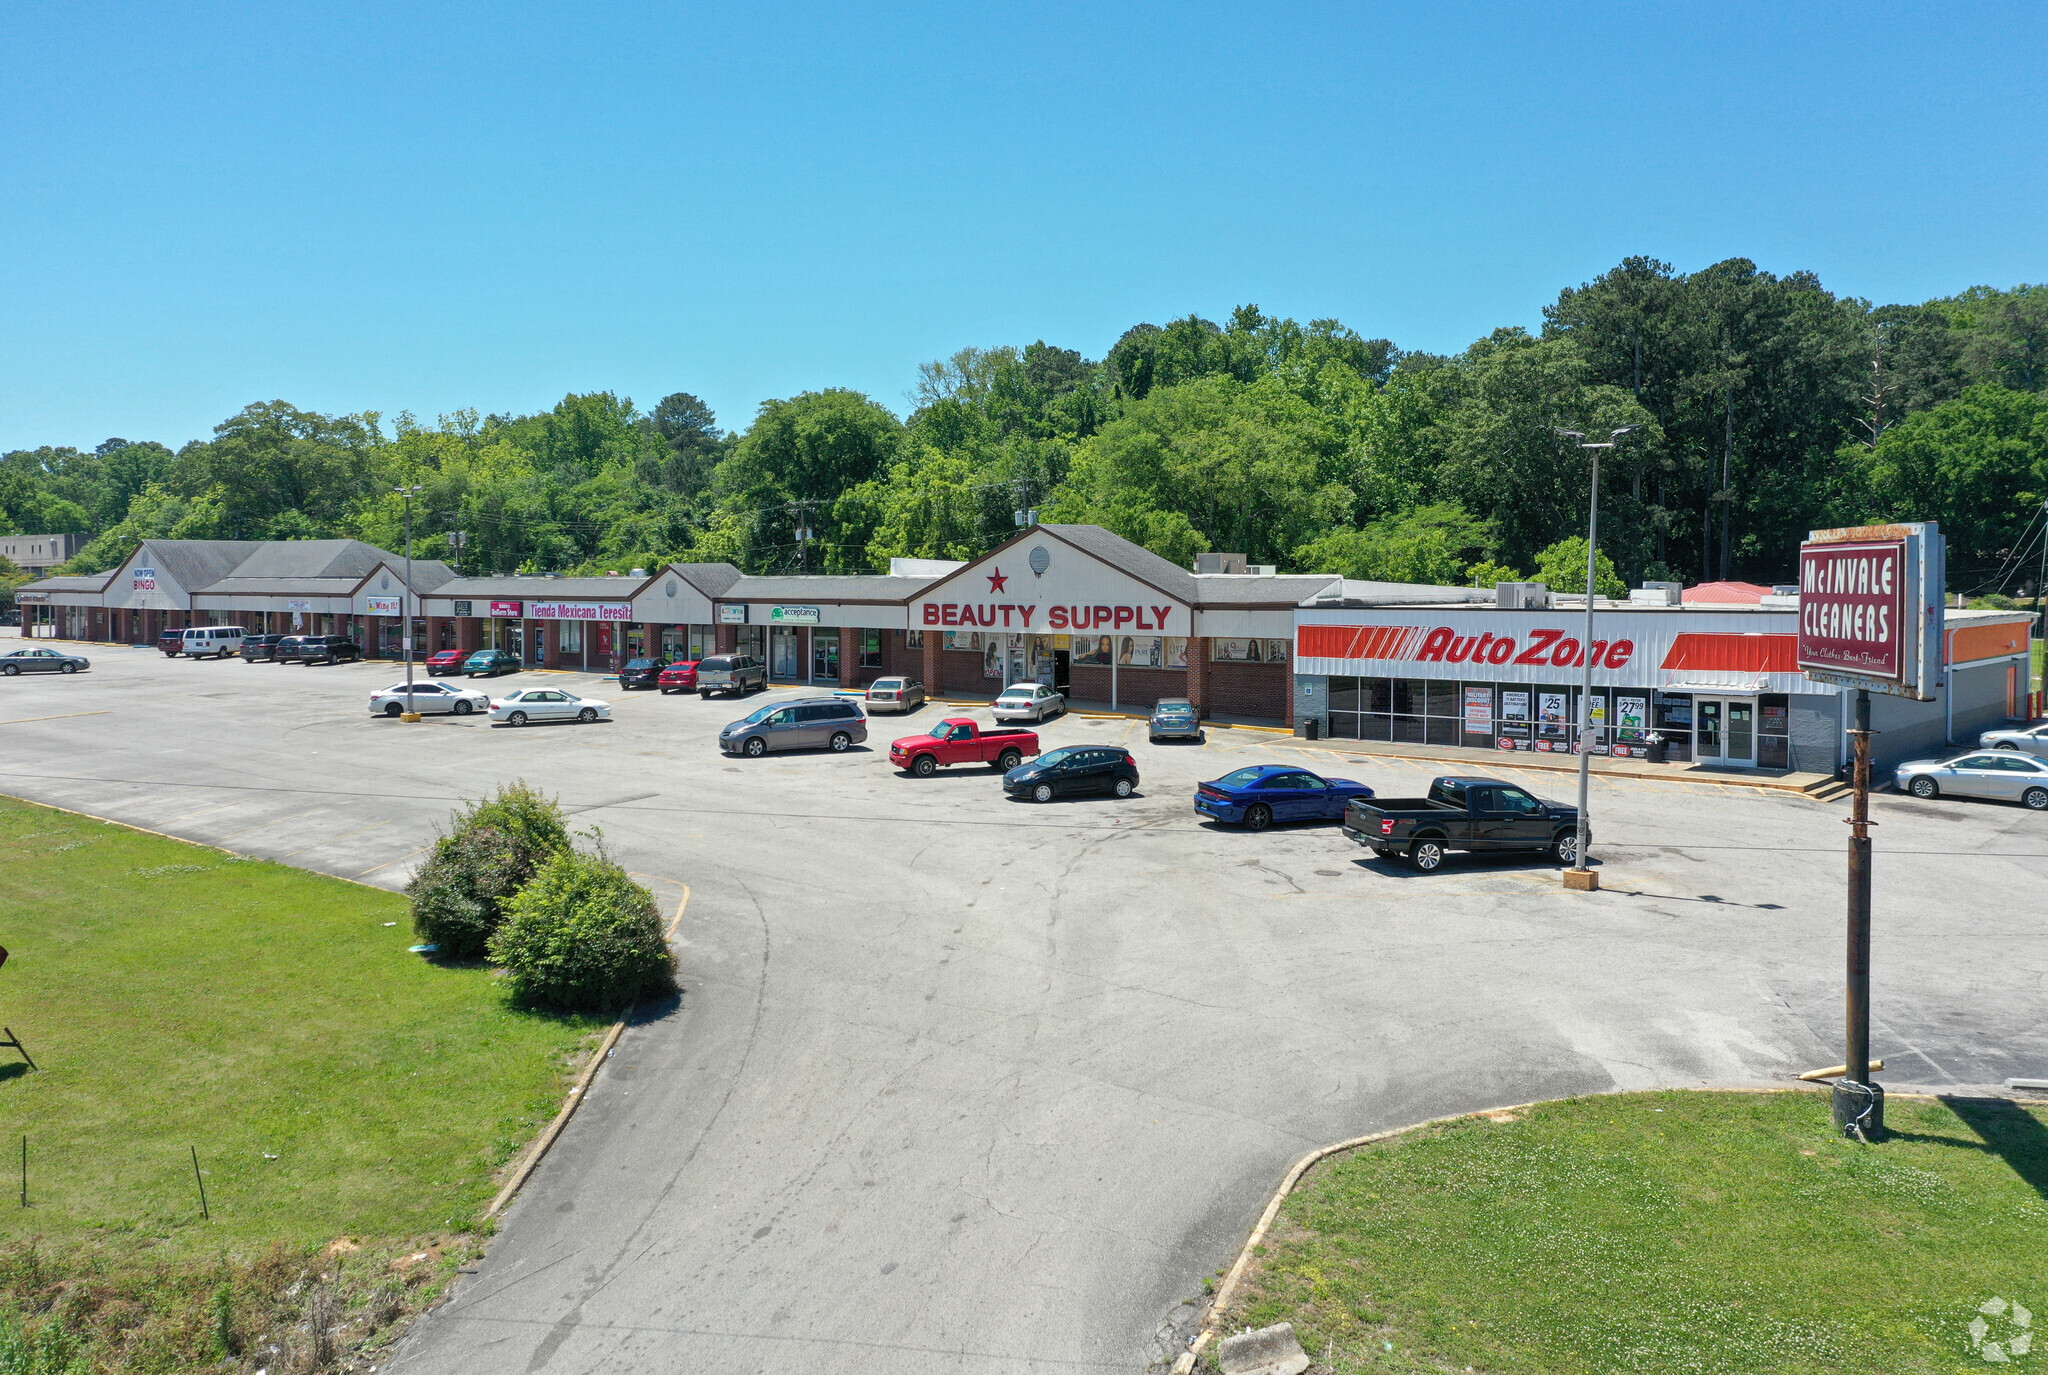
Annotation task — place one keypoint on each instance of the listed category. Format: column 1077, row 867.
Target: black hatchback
column 641, row 673
column 256, row 648
column 1074, row 769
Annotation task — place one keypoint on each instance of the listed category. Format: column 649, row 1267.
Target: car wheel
column 392, row 709
column 587, row 715
column 704, row 694
column 463, row 706
column 1124, row 787
column 924, row 766
column 1564, row 848
column 2036, row 799
column 841, row 742
column 1258, row 817
column 517, row 718
column 1924, row 787
column 1428, row 855
column 755, row 747
column 1042, row 793
column 1009, row 759
column 11, row 669
column 2005, row 745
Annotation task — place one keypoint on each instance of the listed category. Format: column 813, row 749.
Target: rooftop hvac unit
column 1219, row 563
column 1521, row 596
column 1657, row 594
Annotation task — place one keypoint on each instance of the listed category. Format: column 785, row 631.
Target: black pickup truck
column 1463, row 814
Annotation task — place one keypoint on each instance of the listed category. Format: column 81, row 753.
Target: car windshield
column 763, row 713
column 1242, row 778
column 1063, row 752
column 640, row 663
column 887, row 684
column 1173, row 709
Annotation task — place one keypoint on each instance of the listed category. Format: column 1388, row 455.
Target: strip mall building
column 1114, row 625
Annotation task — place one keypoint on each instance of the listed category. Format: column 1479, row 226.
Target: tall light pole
column 404, row 604
column 1581, row 875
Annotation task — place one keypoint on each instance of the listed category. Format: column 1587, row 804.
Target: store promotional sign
column 462, row 608
column 299, row 604
column 507, row 610
column 580, row 611
column 1065, row 591
column 144, row 580
column 794, row 615
column 1870, row 608
column 386, row 606
column 729, row 614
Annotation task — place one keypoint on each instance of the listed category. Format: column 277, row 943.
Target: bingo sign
column 145, row 580
column 1870, row 608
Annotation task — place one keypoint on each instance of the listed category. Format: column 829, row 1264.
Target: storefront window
column 571, row 633
column 824, row 655
column 1774, row 731
column 1671, row 717
column 871, row 649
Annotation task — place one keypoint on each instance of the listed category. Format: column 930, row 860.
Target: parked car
column 810, row 723
column 547, row 704
column 259, row 648
column 1031, row 702
column 958, row 740
column 894, row 694
column 641, row 673
column 2032, row 739
column 1175, row 718
column 318, row 649
column 445, row 661
column 41, row 661
column 2005, row 775
column 490, row 663
column 680, row 676
column 211, row 641
column 1463, row 814
column 172, row 643
column 1074, row 769
column 427, row 698
column 735, row 673
column 1257, row 797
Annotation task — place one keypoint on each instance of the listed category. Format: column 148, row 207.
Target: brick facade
column 1256, row 690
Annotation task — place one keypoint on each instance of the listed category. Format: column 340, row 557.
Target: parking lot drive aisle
column 963, row 1084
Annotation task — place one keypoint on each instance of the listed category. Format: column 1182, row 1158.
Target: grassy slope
column 1665, row 1232
column 177, row 997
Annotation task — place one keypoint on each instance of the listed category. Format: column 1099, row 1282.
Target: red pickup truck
column 958, row 740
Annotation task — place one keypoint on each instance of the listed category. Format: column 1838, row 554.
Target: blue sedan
column 1257, row 797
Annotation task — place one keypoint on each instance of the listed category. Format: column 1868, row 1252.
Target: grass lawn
column 176, row 997
column 1702, row 1232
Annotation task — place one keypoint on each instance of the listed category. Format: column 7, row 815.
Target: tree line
column 1765, row 406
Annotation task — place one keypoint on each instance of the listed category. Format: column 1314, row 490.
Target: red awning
column 1712, row 652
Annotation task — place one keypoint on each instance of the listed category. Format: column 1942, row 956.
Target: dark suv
column 734, row 673
column 259, row 647
column 317, row 649
column 641, row 673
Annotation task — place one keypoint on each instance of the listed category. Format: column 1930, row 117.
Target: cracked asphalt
column 960, row 1084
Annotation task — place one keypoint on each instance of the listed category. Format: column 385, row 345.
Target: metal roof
column 825, row 587
column 540, row 588
column 70, row 582
column 194, row 563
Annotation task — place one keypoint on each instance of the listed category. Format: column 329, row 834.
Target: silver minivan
column 811, row 723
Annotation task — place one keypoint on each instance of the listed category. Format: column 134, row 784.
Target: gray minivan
column 810, row 723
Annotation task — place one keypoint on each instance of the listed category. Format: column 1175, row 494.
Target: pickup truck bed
column 1483, row 814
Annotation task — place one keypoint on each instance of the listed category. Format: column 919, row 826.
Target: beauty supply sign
column 1870, row 608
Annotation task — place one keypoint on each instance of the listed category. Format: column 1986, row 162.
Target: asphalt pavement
column 957, row 1083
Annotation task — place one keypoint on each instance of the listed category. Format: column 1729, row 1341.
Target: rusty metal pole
column 1858, row 1103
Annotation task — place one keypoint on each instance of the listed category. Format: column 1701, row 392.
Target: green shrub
column 459, row 894
column 47, row 1350
column 582, row 936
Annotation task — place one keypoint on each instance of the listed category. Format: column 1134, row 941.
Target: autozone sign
column 1537, row 647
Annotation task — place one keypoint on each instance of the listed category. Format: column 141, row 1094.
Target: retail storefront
column 582, row 623
column 1718, row 687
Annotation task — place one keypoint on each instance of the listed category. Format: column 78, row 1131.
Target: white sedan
column 547, row 704
column 429, row 696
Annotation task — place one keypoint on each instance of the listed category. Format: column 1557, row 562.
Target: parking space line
column 389, row 862
column 335, row 841
column 60, row 716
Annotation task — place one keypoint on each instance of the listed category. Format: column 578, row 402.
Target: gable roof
column 712, row 579
column 194, row 563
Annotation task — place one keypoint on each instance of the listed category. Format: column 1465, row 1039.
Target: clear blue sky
column 386, row 207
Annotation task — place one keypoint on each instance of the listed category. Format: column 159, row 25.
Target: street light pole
column 1581, row 875
column 404, row 606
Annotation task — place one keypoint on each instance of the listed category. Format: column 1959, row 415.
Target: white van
column 219, row 641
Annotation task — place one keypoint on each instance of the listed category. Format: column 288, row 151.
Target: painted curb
column 534, row 1153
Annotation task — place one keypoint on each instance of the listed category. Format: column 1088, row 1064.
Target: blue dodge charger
column 1257, row 797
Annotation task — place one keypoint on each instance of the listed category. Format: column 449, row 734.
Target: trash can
column 1658, row 747
column 1310, row 729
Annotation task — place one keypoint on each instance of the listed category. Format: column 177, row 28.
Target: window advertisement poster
column 1631, row 723
column 1553, row 721
column 1515, row 728
column 1478, row 711
column 913, row 639
column 1176, row 651
column 992, row 658
column 1094, row 651
column 1141, row 651
column 384, row 606
column 1236, row 651
column 969, row 640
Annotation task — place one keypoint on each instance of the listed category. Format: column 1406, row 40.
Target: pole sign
column 1870, row 608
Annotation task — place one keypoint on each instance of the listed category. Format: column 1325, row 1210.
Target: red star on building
column 997, row 582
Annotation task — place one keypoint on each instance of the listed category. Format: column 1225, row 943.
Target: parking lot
column 959, row 1083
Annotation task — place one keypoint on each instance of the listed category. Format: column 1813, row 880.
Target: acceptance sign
column 1852, row 608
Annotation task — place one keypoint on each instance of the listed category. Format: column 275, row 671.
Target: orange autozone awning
column 1724, row 652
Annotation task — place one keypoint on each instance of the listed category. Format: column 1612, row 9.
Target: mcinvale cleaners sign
column 1870, row 608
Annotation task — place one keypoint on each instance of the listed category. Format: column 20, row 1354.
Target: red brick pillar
column 728, row 638
column 1198, row 673
column 849, row 656
column 469, row 634
column 931, row 662
column 1288, row 683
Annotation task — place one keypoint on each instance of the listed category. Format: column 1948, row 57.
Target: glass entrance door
column 1726, row 731
column 1741, row 744
column 783, row 661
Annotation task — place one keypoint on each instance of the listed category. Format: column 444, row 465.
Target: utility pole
column 1581, row 875
column 405, row 603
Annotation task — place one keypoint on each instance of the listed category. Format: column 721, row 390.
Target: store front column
column 728, row 638
column 1198, row 674
column 931, row 663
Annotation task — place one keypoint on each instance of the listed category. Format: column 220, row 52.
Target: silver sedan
column 41, row 661
column 894, row 694
column 2005, row 775
column 429, row 697
column 2032, row 739
column 547, row 704
column 1028, row 702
